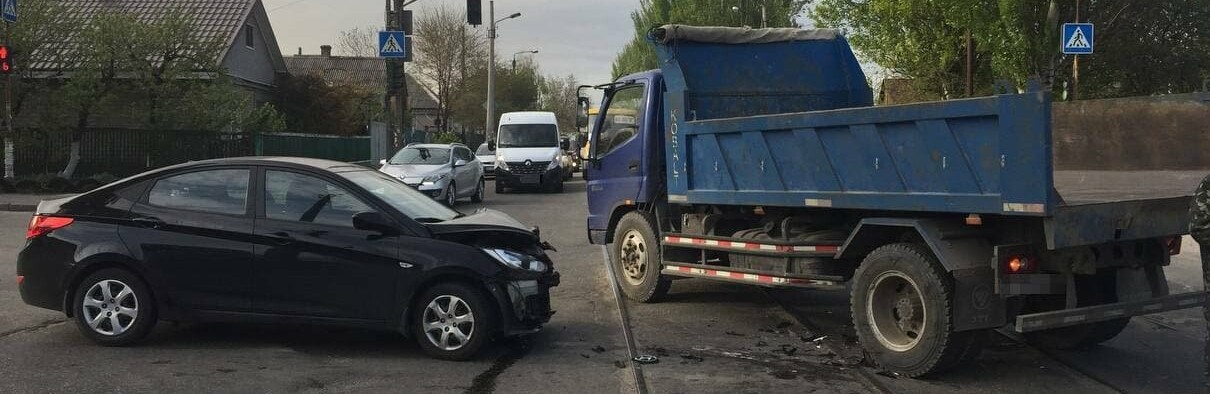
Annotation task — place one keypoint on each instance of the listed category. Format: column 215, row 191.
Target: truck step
column 738, row 245
column 1092, row 314
column 751, row 277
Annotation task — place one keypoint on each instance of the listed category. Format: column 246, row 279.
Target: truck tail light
column 1174, row 245
column 1020, row 264
column 42, row 225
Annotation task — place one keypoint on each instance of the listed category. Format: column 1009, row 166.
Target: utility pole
column 970, row 60
column 491, row 70
column 10, row 134
column 1075, row 65
column 395, row 16
column 489, row 124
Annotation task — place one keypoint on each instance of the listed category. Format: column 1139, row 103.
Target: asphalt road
column 708, row 337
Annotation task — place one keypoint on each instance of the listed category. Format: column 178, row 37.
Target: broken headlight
column 516, row 260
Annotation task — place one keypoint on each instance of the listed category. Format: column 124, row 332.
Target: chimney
column 299, row 51
column 325, row 50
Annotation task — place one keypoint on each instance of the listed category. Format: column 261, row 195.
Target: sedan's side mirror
column 565, row 145
column 374, row 221
column 460, row 163
column 382, row 162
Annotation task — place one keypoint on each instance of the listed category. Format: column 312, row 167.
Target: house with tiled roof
column 368, row 73
column 250, row 55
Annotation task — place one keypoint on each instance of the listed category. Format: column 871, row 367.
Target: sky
column 577, row 37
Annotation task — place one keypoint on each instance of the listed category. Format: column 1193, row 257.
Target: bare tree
column 359, row 41
column 445, row 46
column 558, row 95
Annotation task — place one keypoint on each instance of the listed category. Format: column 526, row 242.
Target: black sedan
column 284, row 240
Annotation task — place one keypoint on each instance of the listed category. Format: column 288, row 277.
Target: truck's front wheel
column 636, row 259
column 901, row 308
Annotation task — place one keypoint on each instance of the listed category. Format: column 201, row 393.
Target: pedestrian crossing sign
column 392, row 44
column 1077, row 38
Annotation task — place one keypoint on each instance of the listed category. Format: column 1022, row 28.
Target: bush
column 58, row 185
column 27, row 185
column 447, row 138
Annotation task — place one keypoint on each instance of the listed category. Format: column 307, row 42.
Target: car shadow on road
column 310, row 340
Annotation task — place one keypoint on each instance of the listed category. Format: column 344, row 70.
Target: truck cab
column 625, row 152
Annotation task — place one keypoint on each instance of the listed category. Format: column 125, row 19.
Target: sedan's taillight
column 42, row 225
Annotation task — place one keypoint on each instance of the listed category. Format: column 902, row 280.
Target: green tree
column 639, row 55
column 96, row 63
column 312, row 105
column 1142, row 47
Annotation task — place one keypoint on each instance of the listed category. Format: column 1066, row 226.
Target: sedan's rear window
column 217, row 191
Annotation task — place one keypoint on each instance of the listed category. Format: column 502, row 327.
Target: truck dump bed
column 783, row 123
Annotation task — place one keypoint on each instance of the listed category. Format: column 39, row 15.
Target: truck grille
column 535, row 167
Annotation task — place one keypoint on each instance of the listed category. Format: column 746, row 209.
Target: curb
column 9, row 207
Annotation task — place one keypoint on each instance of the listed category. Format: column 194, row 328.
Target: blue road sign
column 392, row 44
column 10, row 11
column 1077, row 38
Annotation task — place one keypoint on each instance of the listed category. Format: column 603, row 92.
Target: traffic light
column 474, row 12
column 6, row 61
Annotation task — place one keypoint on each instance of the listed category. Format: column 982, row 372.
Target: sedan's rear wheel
column 114, row 307
column 453, row 321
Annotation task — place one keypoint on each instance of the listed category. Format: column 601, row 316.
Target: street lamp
column 491, row 65
column 515, row 58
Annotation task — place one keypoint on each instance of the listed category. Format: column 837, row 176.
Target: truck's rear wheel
column 902, row 311
column 636, row 259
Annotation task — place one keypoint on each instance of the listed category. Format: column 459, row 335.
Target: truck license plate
column 530, row 178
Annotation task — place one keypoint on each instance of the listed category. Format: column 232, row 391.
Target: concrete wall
column 1146, row 133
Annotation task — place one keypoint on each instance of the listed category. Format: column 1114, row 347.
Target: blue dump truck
column 755, row 156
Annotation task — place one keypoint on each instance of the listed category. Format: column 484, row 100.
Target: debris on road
column 598, row 349
column 691, row 357
column 733, row 333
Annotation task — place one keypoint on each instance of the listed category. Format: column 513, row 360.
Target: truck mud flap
column 1092, row 314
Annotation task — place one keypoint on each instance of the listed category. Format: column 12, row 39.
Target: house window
column 249, row 38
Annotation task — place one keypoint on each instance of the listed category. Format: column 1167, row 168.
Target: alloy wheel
column 448, row 322
column 110, row 307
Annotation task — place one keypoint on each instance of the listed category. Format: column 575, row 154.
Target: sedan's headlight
column 501, row 164
column 554, row 163
column 516, row 260
column 431, row 179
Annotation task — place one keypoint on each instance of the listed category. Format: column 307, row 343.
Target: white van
column 528, row 152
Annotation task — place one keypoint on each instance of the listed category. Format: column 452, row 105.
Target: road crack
column 35, row 327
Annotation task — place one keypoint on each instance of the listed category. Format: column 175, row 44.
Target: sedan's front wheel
column 453, row 321
column 114, row 307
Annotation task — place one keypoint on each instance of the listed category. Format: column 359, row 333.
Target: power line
column 286, row 5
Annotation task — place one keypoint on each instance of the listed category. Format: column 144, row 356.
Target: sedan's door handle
column 280, row 237
column 149, row 222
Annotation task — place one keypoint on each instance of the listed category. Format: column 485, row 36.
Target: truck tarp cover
column 738, row 35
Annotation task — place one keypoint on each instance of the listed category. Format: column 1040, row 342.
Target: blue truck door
column 618, row 173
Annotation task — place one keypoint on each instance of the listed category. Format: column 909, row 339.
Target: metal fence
column 121, row 152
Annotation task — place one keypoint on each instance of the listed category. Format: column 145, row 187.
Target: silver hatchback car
column 445, row 172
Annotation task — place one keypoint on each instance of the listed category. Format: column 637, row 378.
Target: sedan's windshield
column 410, row 202
column 416, row 155
column 528, row 136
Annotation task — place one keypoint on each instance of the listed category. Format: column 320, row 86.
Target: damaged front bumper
column 529, row 303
